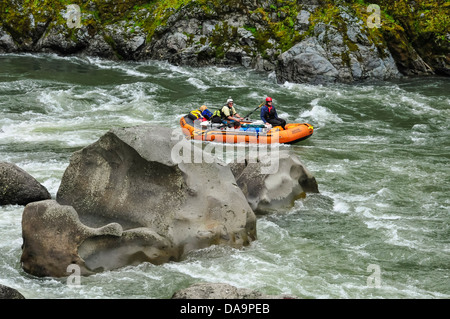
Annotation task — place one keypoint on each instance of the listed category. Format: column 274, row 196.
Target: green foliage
column 326, row 14
column 280, row 30
column 20, row 17
column 223, row 36
column 418, row 18
column 423, row 21
column 250, row 28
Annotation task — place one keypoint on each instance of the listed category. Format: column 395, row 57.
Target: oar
column 246, row 117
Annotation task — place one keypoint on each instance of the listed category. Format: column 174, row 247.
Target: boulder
column 9, row 293
column 336, row 55
column 19, row 187
column 128, row 198
column 51, row 235
column 222, row 291
column 273, row 181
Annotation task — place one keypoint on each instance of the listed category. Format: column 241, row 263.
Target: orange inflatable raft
column 250, row 132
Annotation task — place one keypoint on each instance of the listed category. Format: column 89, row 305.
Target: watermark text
column 74, row 279
column 227, row 151
column 374, row 279
column 374, row 20
column 73, row 16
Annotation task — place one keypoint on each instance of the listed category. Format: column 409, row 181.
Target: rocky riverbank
column 315, row 41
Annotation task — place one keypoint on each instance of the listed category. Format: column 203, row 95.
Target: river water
column 380, row 152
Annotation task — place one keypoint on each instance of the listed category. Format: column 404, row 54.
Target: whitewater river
column 380, row 152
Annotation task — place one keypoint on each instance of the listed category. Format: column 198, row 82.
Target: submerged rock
column 223, row 291
column 19, row 187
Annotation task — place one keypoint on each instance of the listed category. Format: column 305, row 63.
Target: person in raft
column 228, row 114
column 269, row 115
column 202, row 114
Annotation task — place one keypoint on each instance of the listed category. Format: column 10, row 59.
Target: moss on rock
column 408, row 28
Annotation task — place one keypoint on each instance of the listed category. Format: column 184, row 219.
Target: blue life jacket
column 207, row 114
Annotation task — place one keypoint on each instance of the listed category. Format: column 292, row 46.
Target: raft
column 250, row 132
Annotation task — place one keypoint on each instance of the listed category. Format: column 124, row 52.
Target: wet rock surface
column 306, row 42
column 19, row 187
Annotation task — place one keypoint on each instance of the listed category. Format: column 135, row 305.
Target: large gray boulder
column 130, row 176
column 130, row 197
column 336, row 54
column 306, row 62
column 273, row 181
column 19, row 187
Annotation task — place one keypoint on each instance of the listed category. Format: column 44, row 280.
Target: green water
column 380, row 154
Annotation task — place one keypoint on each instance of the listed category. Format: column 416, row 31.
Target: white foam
column 320, row 114
column 417, row 106
column 341, row 207
column 56, row 101
column 302, row 88
column 256, row 96
column 176, row 70
column 127, row 68
column 46, row 129
column 199, row 84
column 21, row 86
column 421, row 128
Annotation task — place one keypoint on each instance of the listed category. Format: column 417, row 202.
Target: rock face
column 19, row 187
column 223, row 291
column 286, row 180
column 130, row 177
column 313, row 41
column 7, row 43
column 128, row 198
column 326, row 54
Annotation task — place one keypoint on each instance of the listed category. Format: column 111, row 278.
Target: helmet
column 229, row 100
column 268, row 99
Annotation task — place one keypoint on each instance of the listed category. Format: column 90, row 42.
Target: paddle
column 246, row 117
